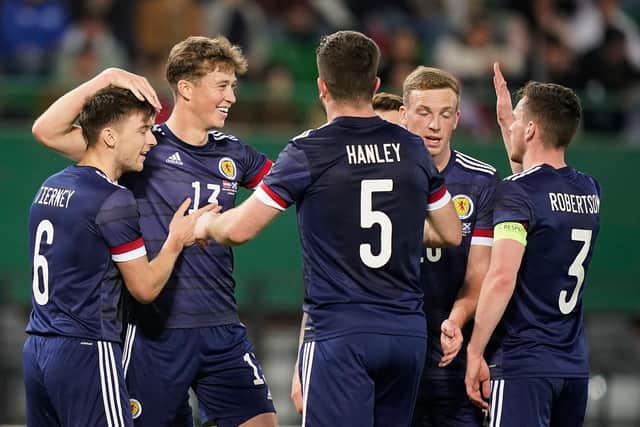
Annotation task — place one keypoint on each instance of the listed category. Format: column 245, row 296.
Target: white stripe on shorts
column 308, row 349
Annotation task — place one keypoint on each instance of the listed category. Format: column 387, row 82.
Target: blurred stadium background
column 593, row 46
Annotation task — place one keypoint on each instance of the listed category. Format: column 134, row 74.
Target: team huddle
column 435, row 294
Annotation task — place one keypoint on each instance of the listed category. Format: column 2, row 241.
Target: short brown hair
column 386, row 101
column 556, row 108
column 348, row 63
column 194, row 57
column 109, row 106
column 427, row 78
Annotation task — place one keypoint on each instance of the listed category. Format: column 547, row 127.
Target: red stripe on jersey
column 482, row 232
column 279, row 200
column 437, row 195
column 127, row 247
column 256, row 179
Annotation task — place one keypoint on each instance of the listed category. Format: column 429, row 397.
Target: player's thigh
column 521, row 402
column 444, row 402
column 337, row 389
column 159, row 370
column 84, row 382
column 396, row 364
column 39, row 409
column 230, row 386
column 571, row 404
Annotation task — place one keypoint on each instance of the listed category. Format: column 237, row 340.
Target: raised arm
column 145, row 279
column 504, row 113
column 55, row 127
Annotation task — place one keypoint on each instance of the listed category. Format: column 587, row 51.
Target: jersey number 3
column 369, row 217
column 40, row 264
column 576, row 269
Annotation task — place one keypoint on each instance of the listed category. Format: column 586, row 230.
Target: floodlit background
column 593, row 46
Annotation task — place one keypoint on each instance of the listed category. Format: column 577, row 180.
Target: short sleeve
column 438, row 195
column 118, row 223
column 288, row 179
column 512, row 204
column 257, row 165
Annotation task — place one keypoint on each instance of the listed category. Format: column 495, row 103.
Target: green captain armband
column 510, row 230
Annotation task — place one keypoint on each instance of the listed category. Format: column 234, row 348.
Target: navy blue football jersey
column 80, row 223
column 542, row 330
column 362, row 187
column 200, row 291
column 472, row 185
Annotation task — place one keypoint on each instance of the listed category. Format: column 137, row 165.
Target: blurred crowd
column 593, row 46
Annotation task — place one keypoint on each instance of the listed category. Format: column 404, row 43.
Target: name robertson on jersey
column 373, row 153
column 575, row 203
column 51, row 196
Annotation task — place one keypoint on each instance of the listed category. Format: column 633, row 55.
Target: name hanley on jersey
column 51, row 196
column 575, row 203
column 372, row 153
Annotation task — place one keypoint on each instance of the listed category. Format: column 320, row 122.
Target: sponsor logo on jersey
column 227, row 167
column 463, row 205
column 136, row 408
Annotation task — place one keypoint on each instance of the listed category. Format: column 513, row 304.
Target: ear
column 109, row 136
column 185, row 89
column 323, row 90
column 530, row 131
column 376, row 85
column 455, row 125
column 403, row 115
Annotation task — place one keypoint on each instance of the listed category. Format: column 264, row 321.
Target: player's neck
column 442, row 160
column 348, row 109
column 540, row 154
column 103, row 162
column 182, row 125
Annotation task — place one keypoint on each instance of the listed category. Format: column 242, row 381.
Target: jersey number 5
column 40, row 263
column 369, row 217
column 576, row 269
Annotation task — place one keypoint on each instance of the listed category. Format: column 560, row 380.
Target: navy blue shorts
column 538, row 402
column 74, row 382
column 217, row 362
column 443, row 402
column 360, row 380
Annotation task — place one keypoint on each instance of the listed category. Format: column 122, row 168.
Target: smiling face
column 135, row 140
column 433, row 115
column 212, row 96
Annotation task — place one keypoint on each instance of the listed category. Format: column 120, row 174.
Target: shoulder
column 525, row 175
column 474, row 167
column 218, row 136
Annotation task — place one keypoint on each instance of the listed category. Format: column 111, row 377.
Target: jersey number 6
column 40, row 263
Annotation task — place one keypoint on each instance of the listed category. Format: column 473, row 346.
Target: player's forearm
column 57, row 121
column 160, row 268
column 495, row 294
column 442, row 228
column 463, row 309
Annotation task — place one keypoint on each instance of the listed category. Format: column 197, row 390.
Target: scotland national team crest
column 227, row 167
column 463, row 205
column 136, row 408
